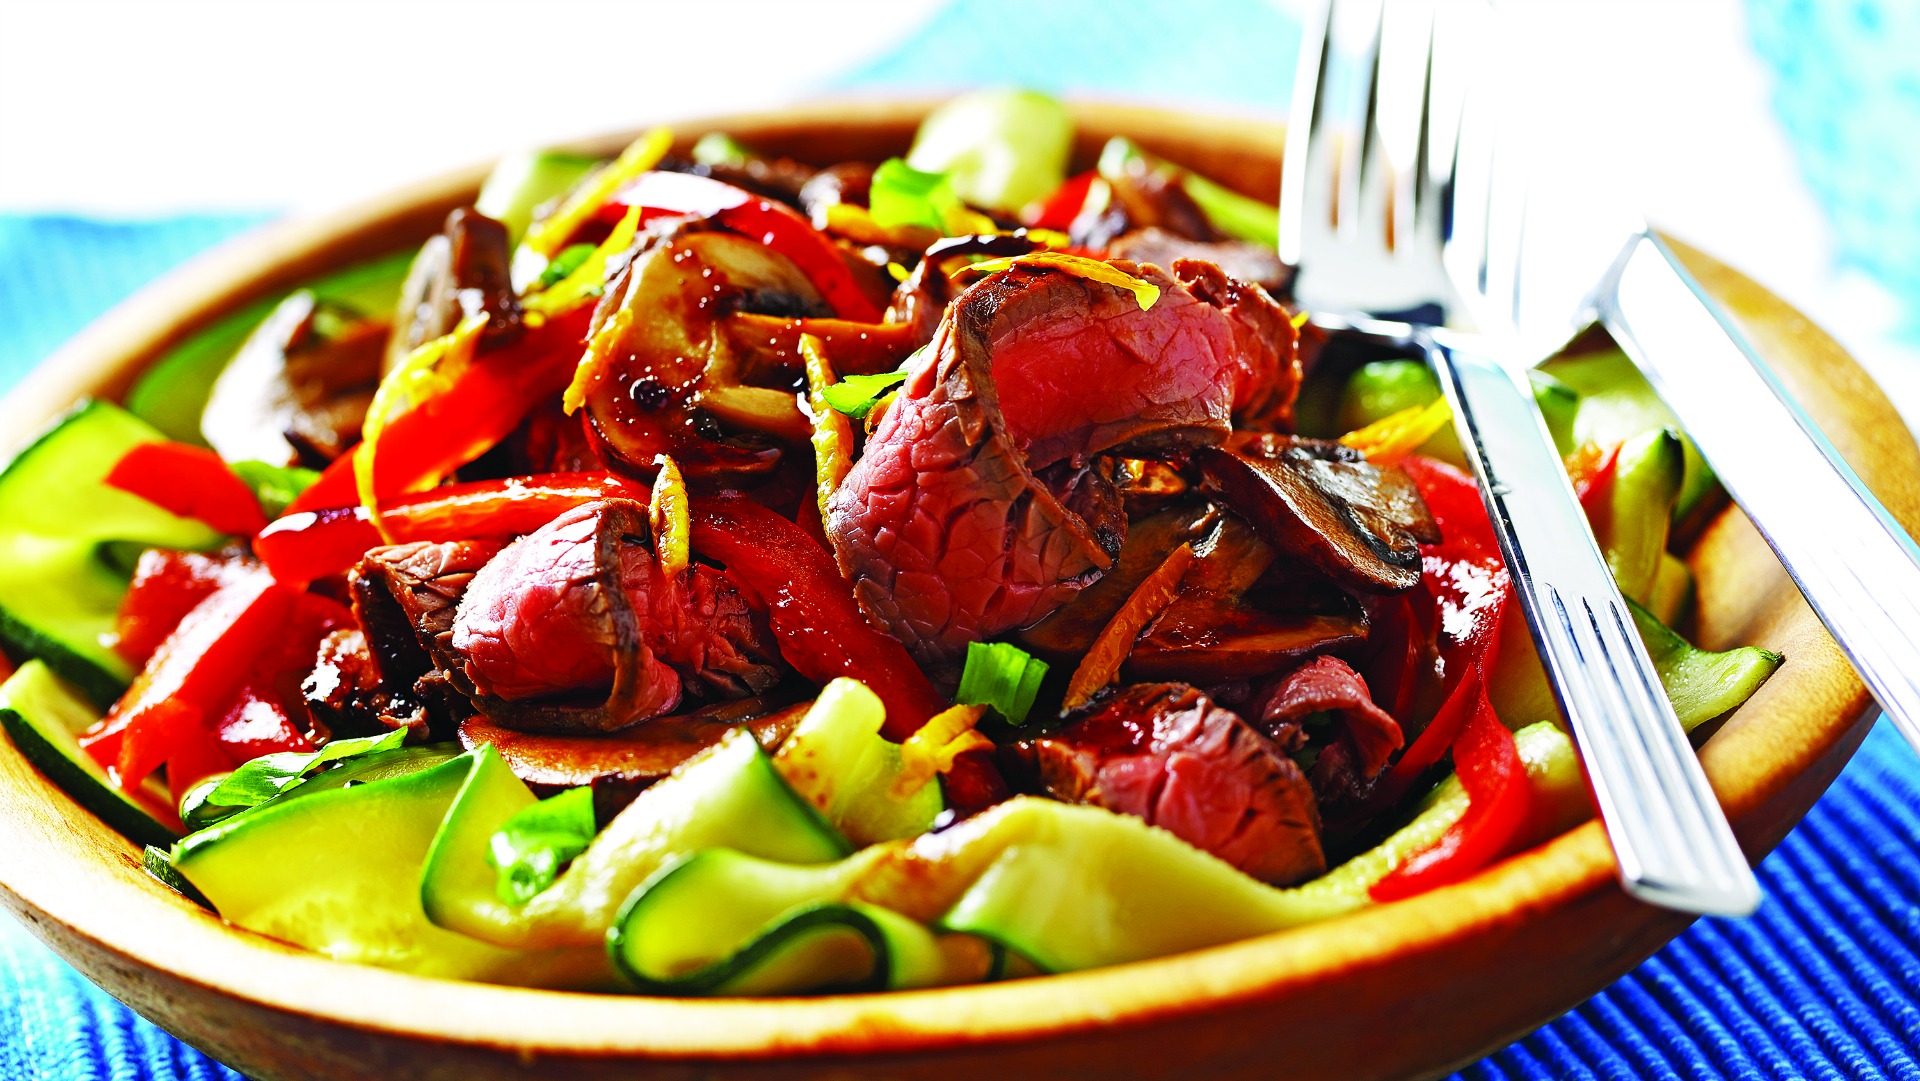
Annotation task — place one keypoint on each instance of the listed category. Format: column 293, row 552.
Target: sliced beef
column 404, row 596
column 1326, row 691
column 575, row 628
column 1235, row 258
column 1265, row 340
column 347, row 697
column 1359, row 524
column 945, row 526
column 1169, row 755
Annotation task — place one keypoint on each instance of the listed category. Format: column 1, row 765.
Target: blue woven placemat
column 1823, row 983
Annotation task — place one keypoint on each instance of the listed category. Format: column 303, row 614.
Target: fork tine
column 1399, row 118
column 1304, row 126
column 1486, row 240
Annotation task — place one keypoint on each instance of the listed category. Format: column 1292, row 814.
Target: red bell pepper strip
column 194, row 674
column 6, row 668
column 1464, row 573
column 311, row 545
column 166, row 586
column 192, row 482
column 774, row 224
column 449, row 430
column 1592, row 482
column 822, row 632
column 1500, row 803
column 194, row 754
column 1465, row 585
column 1058, row 210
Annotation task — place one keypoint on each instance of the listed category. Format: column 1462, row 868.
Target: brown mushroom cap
column 619, row 764
column 1360, row 524
column 1209, row 638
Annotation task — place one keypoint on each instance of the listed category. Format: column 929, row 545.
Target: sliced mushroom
column 464, row 271
column 1067, row 634
column 767, row 347
column 1323, row 503
column 1148, row 486
column 1210, row 638
column 672, row 382
column 620, row 764
column 297, row 391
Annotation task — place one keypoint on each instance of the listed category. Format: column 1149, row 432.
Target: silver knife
column 1856, row 566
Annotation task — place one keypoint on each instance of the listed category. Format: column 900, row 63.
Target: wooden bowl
column 1404, row 990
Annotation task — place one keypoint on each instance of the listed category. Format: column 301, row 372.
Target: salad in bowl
column 710, row 573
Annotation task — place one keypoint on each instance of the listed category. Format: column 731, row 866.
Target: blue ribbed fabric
column 1823, row 983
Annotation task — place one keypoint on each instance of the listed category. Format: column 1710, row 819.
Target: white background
column 136, row 109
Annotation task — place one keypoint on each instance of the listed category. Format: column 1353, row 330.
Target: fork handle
column 1669, row 835
column 1856, row 566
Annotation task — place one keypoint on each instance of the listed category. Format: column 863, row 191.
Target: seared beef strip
column 1169, row 755
column 404, row 597
column 572, row 628
column 1366, row 737
column 1264, row 337
column 346, row 695
column 1236, row 258
column 946, row 531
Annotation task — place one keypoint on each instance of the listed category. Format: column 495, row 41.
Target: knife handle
column 1669, row 834
column 1856, row 566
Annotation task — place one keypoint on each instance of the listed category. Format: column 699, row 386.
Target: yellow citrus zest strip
column 668, row 515
column 600, row 348
column 1109, row 651
column 587, row 278
column 1081, row 267
column 429, row 371
column 1397, row 435
column 832, row 432
column 946, row 736
column 551, row 233
column 1300, row 318
column 856, row 223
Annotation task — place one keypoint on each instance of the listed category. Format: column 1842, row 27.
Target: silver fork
column 1391, row 199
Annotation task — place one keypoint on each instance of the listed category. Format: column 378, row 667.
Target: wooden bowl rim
column 152, row 928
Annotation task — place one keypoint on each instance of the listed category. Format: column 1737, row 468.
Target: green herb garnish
column 270, row 775
column 856, row 394
column 565, row 263
column 903, row 195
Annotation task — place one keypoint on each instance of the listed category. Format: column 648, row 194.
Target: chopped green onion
column 268, row 776
column 273, row 485
column 1003, row 676
column 856, row 394
column 719, row 148
column 535, row 845
column 565, row 263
